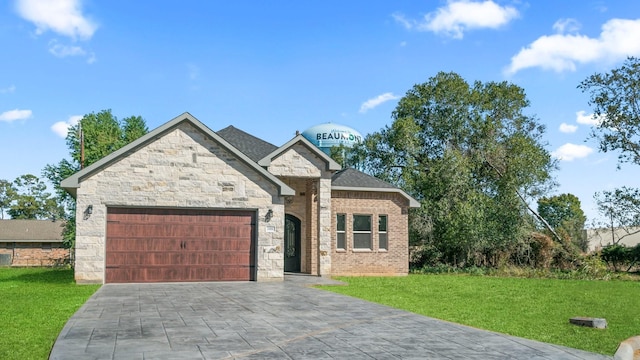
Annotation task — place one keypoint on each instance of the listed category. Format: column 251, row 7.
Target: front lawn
column 536, row 309
column 36, row 303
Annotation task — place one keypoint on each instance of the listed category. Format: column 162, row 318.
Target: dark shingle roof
column 18, row 230
column 353, row 178
column 255, row 148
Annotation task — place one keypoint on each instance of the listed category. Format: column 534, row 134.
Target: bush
column 619, row 256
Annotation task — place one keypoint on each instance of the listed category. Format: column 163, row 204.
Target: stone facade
column 298, row 161
column 34, row 253
column 376, row 261
column 182, row 169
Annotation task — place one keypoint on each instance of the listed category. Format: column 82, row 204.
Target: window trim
column 370, row 232
column 385, row 232
column 342, row 232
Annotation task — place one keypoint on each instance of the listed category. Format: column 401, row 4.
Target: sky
column 271, row 68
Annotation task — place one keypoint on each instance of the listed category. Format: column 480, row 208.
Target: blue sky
column 271, row 68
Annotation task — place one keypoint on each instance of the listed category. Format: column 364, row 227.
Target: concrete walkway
column 285, row 320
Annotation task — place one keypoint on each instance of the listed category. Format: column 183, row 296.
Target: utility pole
column 81, row 145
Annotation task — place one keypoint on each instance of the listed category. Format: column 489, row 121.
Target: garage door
column 158, row 245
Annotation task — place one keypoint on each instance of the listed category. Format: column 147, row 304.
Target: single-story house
column 32, row 243
column 185, row 203
column 599, row 238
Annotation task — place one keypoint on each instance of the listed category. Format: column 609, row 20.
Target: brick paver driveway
column 285, row 320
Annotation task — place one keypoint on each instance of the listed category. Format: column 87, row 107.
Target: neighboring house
column 599, row 238
column 185, row 203
column 32, row 243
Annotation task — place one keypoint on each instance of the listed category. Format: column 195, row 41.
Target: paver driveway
column 287, row 320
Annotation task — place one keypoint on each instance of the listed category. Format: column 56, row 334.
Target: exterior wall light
column 268, row 215
column 88, row 211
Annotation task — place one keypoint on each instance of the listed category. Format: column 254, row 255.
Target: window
column 340, row 232
column 362, row 232
column 383, row 242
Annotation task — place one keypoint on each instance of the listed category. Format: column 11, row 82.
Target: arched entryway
column 291, row 243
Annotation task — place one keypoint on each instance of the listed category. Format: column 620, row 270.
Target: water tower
column 325, row 136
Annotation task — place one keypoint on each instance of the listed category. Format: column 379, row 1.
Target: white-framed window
column 383, row 240
column 362, row 232
column 341, row 232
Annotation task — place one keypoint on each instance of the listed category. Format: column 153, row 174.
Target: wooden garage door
column 157, row 245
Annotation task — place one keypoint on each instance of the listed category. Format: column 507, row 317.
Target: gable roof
column 331, row 165
column 351, row 179
column 71, row 183
column 20, row 230
column 255, row 148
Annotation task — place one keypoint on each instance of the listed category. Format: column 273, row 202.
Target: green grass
column 536, row 309
column 35, row 305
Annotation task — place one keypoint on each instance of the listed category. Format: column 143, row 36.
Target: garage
column 169, row 245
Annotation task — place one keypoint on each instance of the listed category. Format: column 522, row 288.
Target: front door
column 291, row 243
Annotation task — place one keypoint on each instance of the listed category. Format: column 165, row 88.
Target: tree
column 473, row 159
column 615, row 97
column 7, row 195
column 133, row 127
column 564, row 214
column 616, row 100
column 102, row 134
column 31, row 201
column 620, row 211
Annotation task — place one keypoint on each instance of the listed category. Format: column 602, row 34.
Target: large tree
column 564, row 213
column 472, row 157
column 32, row 201
column 615, row 98
column 620, row 212
column 101, row 134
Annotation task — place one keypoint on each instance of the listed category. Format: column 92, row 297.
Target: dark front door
column 291, row 244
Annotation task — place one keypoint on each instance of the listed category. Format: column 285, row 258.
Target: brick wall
column 35, row 254
column 394, row 260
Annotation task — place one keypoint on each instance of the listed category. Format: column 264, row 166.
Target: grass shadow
column 38, row 275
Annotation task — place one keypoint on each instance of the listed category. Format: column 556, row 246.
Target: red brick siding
column 395, row 260
column 35, row 254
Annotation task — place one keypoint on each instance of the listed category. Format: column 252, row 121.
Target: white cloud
column 408, row 24
column 460, row 16
column 372, row 103
column 63, row 17
column 567, row 128
column 570, row 152
column 566, row 26
column 587, row 119
column 560, row 52
column 61, row 128
column 13, row 115
column 8, row 90
column 61, row 50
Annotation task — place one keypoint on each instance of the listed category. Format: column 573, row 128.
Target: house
column 185, row 203
column 32, row 243
column 599, row 238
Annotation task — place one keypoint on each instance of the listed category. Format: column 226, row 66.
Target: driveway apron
column 285, row 320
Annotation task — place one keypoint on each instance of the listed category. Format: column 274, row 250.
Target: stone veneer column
column 324, row 227
column 312, row 191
